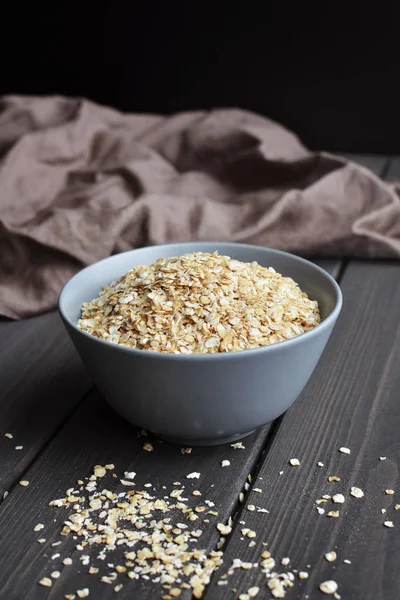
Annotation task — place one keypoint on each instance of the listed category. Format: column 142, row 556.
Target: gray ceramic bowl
column 201, row 399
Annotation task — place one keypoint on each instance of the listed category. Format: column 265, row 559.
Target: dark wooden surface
column 47, row 402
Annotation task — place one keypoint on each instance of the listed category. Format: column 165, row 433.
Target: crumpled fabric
column 79, row 182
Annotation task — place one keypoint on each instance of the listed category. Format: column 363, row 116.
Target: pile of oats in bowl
column 199, row 303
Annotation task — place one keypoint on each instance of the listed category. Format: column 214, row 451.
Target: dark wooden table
column 63, row 427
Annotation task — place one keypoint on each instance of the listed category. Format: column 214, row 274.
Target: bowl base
column 205, row 442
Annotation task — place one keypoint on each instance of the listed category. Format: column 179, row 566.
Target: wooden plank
column 393, row 171
column 332, row 266
column 376, row 163
column 97, row 435
column 41, row 380
column 351, row 401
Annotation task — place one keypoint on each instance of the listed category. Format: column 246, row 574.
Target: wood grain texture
column 41, row 382
column 352, row 400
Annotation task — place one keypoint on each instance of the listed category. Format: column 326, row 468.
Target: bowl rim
column 326, row 323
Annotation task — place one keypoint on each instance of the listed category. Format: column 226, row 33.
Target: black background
column 329, row 71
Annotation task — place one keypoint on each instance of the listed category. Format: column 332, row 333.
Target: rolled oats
column 303, row 575
column 331, row 556
column 389, row 524
column 199, row 303
column 338, row 498
column 328, row 587
column 356, row 492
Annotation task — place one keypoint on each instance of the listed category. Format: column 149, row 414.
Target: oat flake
column 356, row 492
column 328, row 587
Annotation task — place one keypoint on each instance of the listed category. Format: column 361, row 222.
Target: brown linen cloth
column 79, row 182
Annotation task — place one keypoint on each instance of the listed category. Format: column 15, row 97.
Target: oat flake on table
column 199, row 303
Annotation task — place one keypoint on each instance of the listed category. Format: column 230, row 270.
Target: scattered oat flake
column 148, row 447
column 382, row 458
column 84, row 593
column 258, row 490
column 5, row 495
column 303, row 575
column 127, row 482
column 193, row 475
column 99, row 471
column 46, row 582
column 333, row 478
column 285, row 561
column 344, row 450
column 397, row 507
column 41, row 540
column 38, row 527
column 18, row 447
column 9, row 435
column 69, row 596
column 225, row 463
column 388, row 524
column 123, row 519
column 55, row 574
column 333, row 513
column 186, row 450
column 328, row 587
column 347, row 561
column 251, row 507
column 331, row 556
column 294, row 462
column 238, row 446
column 320, row 464
column 320, row 510
column 356, row 492
column 389, row 492
column 67, row 561
column 224, row 529
column 24, row 483
column 129, row 474
column 338, row 498
column 118, row 587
